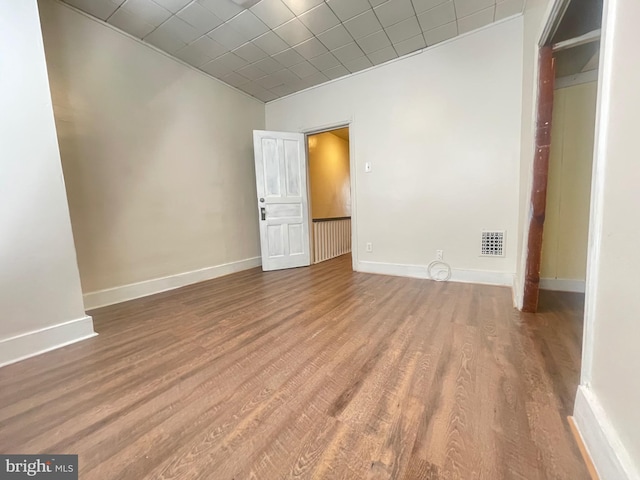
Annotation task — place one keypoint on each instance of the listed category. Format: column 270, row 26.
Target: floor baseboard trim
column 583, row 449
column 420, row 271
column 601, row 440
column 111, row 296
column 34, row 343
column 562, row 285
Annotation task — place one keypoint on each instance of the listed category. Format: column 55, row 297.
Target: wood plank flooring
column 316, row 373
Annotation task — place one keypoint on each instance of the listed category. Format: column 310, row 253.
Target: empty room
column 319, row 239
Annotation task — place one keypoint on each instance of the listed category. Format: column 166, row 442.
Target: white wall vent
column 493, row 244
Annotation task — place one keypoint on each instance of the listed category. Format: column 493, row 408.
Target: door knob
column 262, row 200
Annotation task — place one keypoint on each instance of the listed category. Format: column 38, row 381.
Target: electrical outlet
column 369, row 247
column 439, row 254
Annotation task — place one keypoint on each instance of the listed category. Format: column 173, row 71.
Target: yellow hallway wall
column 329, row 176
column 566, row 227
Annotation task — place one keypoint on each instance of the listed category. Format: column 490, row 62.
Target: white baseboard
column 420, row 271
column 562, row 285
column 44, row 340
column 605, row 448
column 110, row 296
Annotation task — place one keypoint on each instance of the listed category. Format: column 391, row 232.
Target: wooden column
column 546, row 78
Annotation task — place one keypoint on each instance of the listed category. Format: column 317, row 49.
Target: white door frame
column 352, row 180
column 555, row 10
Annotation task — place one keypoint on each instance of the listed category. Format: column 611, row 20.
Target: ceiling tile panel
column 424, row 5
column 346, row 9
column 286, row 76
column 223, row 65
column 251, row 72
column 335, row 37
column 288, row 57
column 336, row 72
column 319, row 19
column 311, row 48
column 270, row 43
column 465, row 8
column 100, row 9
column 131, row 23
column 293, row 32
column 248, row 24
column 303, row 69
column 227, row 36
column 374, row 42
column 477, row 20
column 325, row 61
column 269, row 81
column 223, row 9
column 282, row 90
column 272, row 12
column 165, row 40
column 404, row 30
column 179, row 29
column 313, row 80
column 268, row 65
column 358, row 64
column 199, row 18
column 147, row 10
column 250, row 52
column 440, row 34
column 410, row 45
column 508, row 8
column 235, row 80
column 267, row 97
column 172, row 5
column 384, row 55
column 300, row 6
column 362, row 25
column 437, row 16
column 231, row 61
column 394, row 11
column 209, row 47
column 257, row 91
column 348, row 52
column 193, row 55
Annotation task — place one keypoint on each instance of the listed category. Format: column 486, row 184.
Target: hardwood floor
column 317, row 373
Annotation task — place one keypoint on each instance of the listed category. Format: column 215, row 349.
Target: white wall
column 606, row 408
column 158, row 161
column 39, row 282
column 534, row 19
column 442, row 131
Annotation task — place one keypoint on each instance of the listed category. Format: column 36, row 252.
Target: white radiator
column 331, row 238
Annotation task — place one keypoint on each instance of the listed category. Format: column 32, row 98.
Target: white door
column 281, row 183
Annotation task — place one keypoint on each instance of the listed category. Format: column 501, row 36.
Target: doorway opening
column 565, row 130
column 330, row 202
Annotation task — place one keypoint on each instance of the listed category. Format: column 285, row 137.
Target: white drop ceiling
column 278, row 47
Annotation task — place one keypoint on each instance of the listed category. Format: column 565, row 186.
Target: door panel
column 296, row 239
column 281, row 186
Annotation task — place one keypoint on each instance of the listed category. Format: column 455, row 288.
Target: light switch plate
column 367, row 167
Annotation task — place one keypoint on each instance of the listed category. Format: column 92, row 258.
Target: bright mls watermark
column 50, row 467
